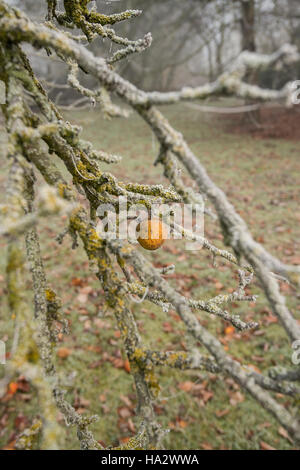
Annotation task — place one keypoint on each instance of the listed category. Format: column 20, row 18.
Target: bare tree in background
column 35, row 133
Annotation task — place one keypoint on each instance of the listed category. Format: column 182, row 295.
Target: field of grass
column 202, row 411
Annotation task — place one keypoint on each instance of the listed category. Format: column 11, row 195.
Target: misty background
column 194, row 41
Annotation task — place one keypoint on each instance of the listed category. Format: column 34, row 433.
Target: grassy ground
column 261, row 177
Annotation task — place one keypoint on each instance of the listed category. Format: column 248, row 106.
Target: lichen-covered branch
column 146, row 384
column 231, row 367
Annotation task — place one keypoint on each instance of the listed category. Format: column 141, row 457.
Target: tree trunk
column 248, row 44
column 248, row 25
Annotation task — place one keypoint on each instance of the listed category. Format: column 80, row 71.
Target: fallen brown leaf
column 265, row 446
column 186, row 386
column 63, row 353
column 283, row 433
